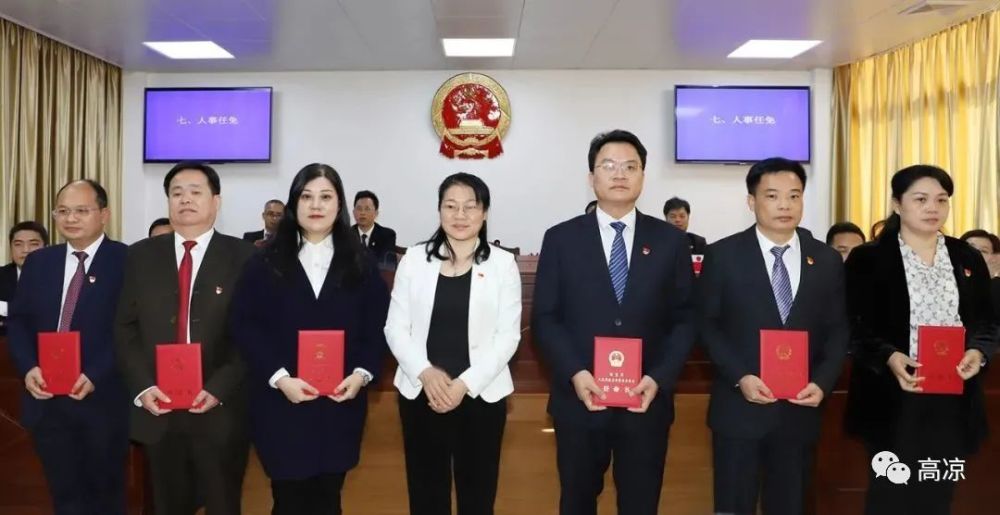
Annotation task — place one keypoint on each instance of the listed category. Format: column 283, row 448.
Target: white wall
column 375, row 129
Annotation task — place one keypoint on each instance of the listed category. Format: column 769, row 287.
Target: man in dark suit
column 773, row 275
column 677, row 212
column 24, row 238
column 379, row 240
column 614, row 273
column 204, row 447
column 274, row 209
column 82, row 438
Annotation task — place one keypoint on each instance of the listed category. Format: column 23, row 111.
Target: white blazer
column 494, row 322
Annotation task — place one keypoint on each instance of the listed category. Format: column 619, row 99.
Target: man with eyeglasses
column 24, row 238
column 82, row 438
column 274, row 209
column 614, row 273
column 380, row 241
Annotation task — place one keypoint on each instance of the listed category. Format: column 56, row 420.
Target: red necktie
column 73, row 293
column 184, row 292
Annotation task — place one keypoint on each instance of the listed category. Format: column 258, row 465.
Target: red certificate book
column 939, row 351
column 617, row 366
column 696, row 260
column 59, row 359
column 178, row 374
column 321, row 359
column 784, row 361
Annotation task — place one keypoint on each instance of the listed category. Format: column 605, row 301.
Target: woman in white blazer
column 454, row 323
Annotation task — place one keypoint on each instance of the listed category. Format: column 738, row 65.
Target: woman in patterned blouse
column 910, row 276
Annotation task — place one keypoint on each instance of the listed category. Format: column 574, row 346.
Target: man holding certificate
column 772, row 316
column 182, row 371
column 61, row 340
column 613, row 288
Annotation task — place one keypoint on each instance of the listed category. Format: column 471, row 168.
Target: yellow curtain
column 60, row 120
column 933, row 102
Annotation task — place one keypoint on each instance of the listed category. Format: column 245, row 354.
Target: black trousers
column 464, row 442
column 930, row 426
column 184, row 466
column 318, row 495
column 638, row 445
column 84, row 457
column 778, row 466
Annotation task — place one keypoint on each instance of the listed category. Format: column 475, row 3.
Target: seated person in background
column 677, row 212
column 591, row 207
column 274, row 209
column 24, row 238
column 843, row 237
column 160, row 226
column 989, row 245
column 379, row 240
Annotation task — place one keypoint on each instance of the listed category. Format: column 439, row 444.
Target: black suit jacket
column 735, row 301
column 575, row 301
column 253, row 236
column 147, row 316
column 8, row 286
column 381, row 243
column 879, row 305
column 698, row 244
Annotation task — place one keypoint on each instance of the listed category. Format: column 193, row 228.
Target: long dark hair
column 440, row 239
column 902, row 181
column 282, row 252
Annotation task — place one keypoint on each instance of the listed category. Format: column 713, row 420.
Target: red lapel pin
column 646, row 250
column 218, row 290
column 92, row 279
column 809, row 260
column 968, row 273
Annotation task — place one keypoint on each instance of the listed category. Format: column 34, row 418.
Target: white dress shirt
column 315, row 259
column 367, row 234
column 71, row 263
column 604, row 221
column 3, row 303
column 792, row 258
column 197, row 256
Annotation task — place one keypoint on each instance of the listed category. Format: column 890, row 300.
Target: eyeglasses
column 364, row 209
column 80, row 212
column 627, row 167
column 469, row 209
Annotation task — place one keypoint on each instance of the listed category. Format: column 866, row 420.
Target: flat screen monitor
column 741, row 124
column 207, row 124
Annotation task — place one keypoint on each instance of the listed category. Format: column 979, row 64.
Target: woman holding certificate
column 923, row 328
column 454, row 322
column 307, row 403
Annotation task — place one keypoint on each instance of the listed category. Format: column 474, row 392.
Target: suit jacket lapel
column 54, row 284
column 592, row 253
column 758, row 275
column 94, row 273
column 806, row 274
column 639, row 261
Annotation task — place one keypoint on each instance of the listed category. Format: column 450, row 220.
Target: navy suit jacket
column 575, row 301
column 298, row 441
column 736, row 301
column 36, row 308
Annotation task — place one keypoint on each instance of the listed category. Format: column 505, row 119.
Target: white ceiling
column 275, row 35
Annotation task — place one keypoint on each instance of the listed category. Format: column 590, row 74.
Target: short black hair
column 591, row 206
column 210, row 174
column 842, row 228
column 615, row 136
column 676, row 203
column 99, row 191
column 773, row 165
column 980, row 233
column 366, row 194
column 273, row 201
column 157, row 223
column 29, row 225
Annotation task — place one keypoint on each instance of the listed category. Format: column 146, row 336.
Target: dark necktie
column 618, row 264
column 184, row 292
column 780, row 283
column 73, row 292
column 364, row 240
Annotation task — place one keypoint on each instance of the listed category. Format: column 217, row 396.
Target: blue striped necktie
column 618, row 264
column 780, row 283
